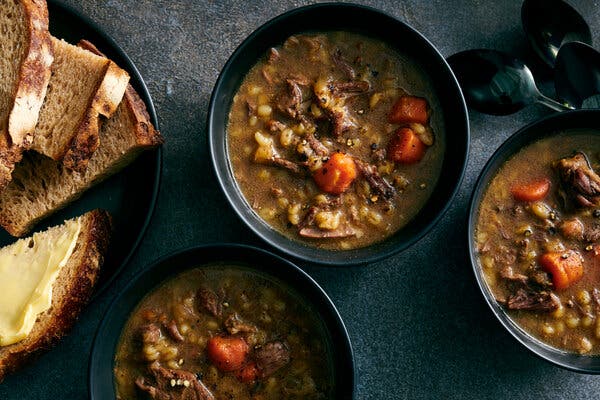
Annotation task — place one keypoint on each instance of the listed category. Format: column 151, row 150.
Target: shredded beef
column 174, row 332
column 234, row 324
column 209, row 301
column 290, row 102
column 287, row 164
column 376, row 181
column 580, row 180
column 273, row 55
column 342, row 64
column 275, row 126
column 170, row 384
column 527, row 299
column 316, row 145
column 350, row 87
column 508, row 273
column 150, row 333
column 316, row 233
column 592, row 234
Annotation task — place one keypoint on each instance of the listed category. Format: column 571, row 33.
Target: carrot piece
column 408, row 109
column 531, row 191
column 565, row 267
column 249, row 373
column 227, row 353
column 337, row 174
column 405, row 147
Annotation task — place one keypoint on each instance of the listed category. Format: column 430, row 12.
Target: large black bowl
column 376, row 24
column 566, row 121
column 101, row 383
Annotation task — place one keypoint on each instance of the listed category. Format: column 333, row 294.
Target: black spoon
column 549, row 24
column 497, row 83
column 577, row 72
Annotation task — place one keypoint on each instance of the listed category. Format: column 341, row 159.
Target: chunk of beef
column 174, row 331
column 287, row 164
column 210, row 302
column 580, row 180
column 343, row 65
column 234, row 324
column 509, row 274
column 592, row 234
column 340, row 121
column 271, row 357
column 335, row 108
column 319, row 148
column 275, row 126
column 376, row 181
column 273, row 55
column 252, row 107
column 350, row 87
column 527, row 299
column 170, row 384
column 596, row 298
column 309, row 217
column 290, row 101
column 316, row 233
column 150, row 333
column 505, row 256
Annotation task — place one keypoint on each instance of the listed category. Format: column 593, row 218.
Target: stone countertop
column 419, row 326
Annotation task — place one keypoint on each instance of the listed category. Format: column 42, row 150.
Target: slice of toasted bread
column 41, row 186
column 25, row 59
column 70, row 292
column 83, row 86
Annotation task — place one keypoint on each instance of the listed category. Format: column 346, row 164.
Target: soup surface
column 223, row 333
column 537, row 237
column 335, row 139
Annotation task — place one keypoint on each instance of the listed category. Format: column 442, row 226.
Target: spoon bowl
column 549, row 24
column 497, row 83
column 577, row 79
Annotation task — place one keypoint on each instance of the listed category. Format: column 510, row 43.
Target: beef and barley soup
column 223, row 333
column 335, row 139
column 538, row 240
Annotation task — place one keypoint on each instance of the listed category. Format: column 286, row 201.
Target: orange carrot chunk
column 409, row 109
column 405, row 147
column 531, row 191
column 565, row 267
column 227, row 353
column 337, row 174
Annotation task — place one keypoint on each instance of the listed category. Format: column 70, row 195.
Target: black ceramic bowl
column 566, row 121
column 376, row 24
column 101, row 383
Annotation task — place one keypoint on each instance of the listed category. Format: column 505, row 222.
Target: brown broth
column 282, row 198
column 277, row 312
column 501, row 230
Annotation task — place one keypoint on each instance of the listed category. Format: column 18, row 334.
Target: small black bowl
column 101, row 382
column 565, row 121
column 372, row 23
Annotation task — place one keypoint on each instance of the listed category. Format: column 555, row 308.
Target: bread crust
column 146, row 137
column 30, row 89
column 89, row 254
column 108, row 94
column 145, row 132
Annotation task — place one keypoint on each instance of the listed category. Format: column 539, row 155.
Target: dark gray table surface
column 419, row 326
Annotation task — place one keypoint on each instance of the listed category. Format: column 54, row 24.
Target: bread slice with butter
column 46, row 280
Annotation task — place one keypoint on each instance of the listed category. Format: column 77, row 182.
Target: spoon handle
column 553, row 104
